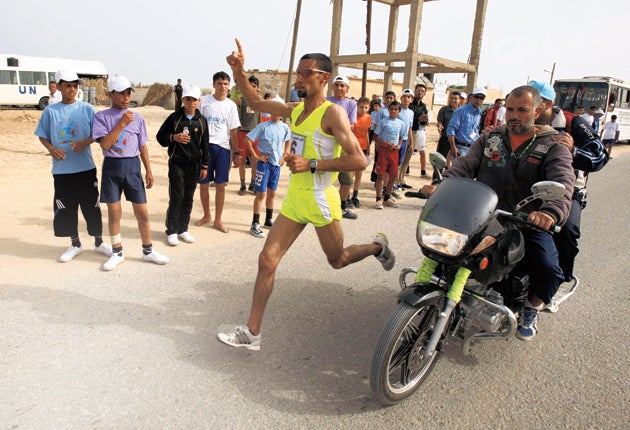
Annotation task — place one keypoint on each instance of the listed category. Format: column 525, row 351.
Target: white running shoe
column 172, row 239
column 104, row 249
column 115, row 259
column 155, row 257
column 240, row 337
column 187, row 237
column 70, row 253
column 386, row 256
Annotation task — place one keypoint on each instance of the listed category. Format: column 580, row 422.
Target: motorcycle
column 468, row 288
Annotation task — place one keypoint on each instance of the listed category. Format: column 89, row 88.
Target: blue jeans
column 463, row 149
column 541, row 263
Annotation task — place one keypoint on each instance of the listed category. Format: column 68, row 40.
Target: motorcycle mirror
column 548, row 190
column 437, row 160
column 543, row 190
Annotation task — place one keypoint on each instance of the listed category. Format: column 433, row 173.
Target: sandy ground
column 30, row 249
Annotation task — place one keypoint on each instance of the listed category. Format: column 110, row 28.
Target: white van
column 24, row 79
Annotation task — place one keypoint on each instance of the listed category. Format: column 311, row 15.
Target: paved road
column 136, row 348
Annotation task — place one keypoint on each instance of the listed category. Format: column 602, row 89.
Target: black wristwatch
column 312, row 163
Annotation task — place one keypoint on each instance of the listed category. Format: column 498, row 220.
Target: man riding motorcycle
column 510, row 160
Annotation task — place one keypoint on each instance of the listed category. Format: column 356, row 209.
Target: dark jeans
column 182, row 182
column 567, row 240
column 541, row 263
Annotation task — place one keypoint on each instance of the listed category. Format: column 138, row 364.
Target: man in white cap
column 463, row 129
column 122, row 135
column 341, row 85
column 65, row 130
column 598, row 116
column 185, row 134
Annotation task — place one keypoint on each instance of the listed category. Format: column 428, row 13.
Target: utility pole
column 296, row 27
column 368, row 42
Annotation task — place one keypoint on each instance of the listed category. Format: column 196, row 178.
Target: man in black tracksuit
column 185, row 133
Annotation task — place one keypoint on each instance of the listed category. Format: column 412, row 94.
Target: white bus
column 24, row 79
column 609, row 94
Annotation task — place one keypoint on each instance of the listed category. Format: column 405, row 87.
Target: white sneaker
column 155, row 257
column 187, row 237
column 114, row 260
column 104, row 249
column 240, row 337
column 70, row 253
column 172, row 239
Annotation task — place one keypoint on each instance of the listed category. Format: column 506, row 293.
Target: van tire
column 43, row 102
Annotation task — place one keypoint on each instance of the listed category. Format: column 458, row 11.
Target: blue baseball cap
column 546, row 90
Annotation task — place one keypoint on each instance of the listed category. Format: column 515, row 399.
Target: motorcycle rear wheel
column 398, row 365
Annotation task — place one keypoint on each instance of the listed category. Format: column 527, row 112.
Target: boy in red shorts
column 388, row 136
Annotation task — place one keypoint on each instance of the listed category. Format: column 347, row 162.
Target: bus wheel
column 43, row 102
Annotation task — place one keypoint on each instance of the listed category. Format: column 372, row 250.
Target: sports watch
column 312, row 164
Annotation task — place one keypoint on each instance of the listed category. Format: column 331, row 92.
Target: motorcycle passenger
column 589, row 156
column 510, row 160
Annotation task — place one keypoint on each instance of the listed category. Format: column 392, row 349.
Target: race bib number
column 297, row 144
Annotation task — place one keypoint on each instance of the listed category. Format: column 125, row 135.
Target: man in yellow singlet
column 320, row 129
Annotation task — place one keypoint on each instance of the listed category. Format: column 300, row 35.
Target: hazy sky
column 160, row 41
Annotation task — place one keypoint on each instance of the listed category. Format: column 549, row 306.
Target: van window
column 8, row 77
column 33, row 78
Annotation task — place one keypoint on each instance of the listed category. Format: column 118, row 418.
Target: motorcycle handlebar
column 521, row 218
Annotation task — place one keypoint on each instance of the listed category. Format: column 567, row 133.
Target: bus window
column 33, row 78
column 570, row 95
column 8, row 77
column 612, row 100
column 51, row 77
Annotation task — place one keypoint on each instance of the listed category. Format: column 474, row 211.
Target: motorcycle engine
column 480, row 317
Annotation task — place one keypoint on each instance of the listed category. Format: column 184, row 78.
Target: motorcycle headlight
column 441, row 239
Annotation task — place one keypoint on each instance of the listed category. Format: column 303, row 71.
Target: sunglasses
column 479, row 96
column 307, row 73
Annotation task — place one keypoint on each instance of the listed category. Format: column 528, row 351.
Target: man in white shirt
column 610, row 134
column 223, row 123
column 55, row 95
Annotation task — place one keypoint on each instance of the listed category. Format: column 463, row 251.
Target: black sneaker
column 356, row 202
column 349, row 204
column 348, row 214
column 256, row 231
column 405, row 186
column 268, row 223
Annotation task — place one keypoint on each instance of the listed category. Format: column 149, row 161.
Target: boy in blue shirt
column 65, row 130
column 271, row 136
column 388, row 136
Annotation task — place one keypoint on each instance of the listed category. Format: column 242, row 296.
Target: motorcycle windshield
column 460, row 204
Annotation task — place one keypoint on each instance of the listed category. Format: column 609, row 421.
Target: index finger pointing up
column 238, row 45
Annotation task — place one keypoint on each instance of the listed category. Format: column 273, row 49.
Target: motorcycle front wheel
column 399, row 364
